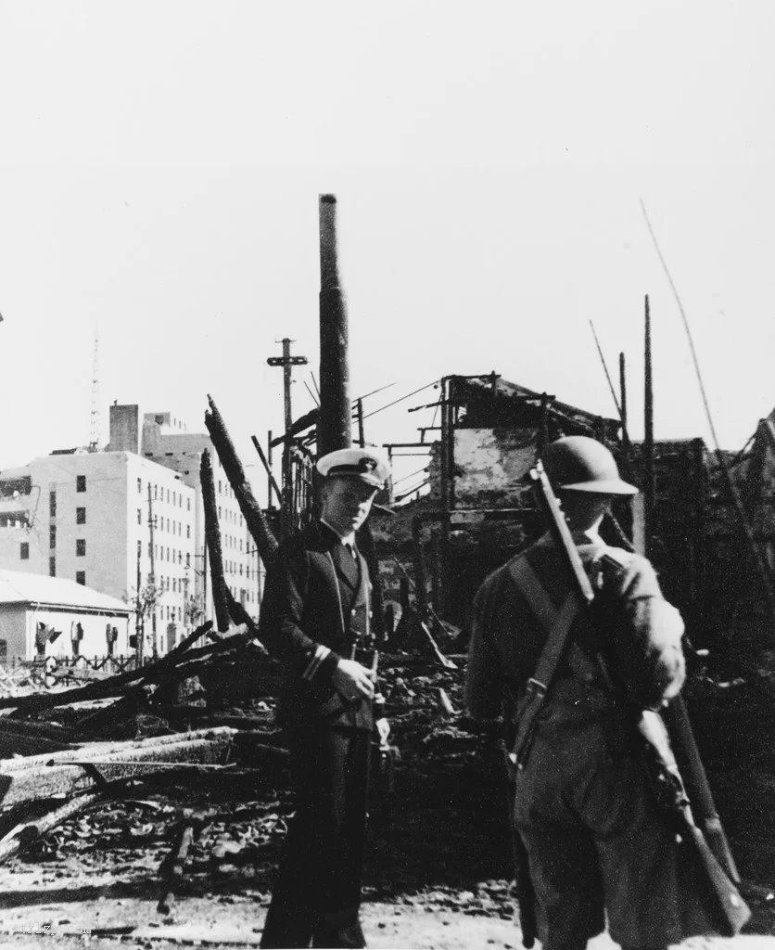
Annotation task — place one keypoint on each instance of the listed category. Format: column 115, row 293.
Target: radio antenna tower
column 94, row 428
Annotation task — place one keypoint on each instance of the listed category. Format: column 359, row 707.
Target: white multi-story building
column 112, row 521
column 117, row 519
column 164, row 440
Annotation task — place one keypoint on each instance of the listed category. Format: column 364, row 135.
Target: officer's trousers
column 317, row 893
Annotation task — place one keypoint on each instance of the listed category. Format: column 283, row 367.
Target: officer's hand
column 352, row 680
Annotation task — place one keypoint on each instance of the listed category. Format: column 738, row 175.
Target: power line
column 396, row 401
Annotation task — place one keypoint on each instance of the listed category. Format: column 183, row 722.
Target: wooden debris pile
column 65, row 752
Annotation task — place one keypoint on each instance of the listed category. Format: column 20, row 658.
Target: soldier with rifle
column 574, row 643
column 315, row 617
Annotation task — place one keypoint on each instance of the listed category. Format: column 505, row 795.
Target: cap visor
column 611, row 486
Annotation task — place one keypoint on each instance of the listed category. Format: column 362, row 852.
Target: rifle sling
column 557, row 624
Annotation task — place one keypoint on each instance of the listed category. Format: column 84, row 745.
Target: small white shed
column 52, row 616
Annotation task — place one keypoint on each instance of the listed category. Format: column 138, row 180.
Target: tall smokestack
column 335, row 420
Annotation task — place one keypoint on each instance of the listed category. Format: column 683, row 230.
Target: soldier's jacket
column 637, row 630
column 594, row 839
column 316, row 603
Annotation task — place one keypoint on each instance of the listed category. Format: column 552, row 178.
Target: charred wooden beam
column 256, row 522
column 24, row 835
column 213, row 541
column 273, row 486
column 30, row 781
column 16, row 743
column 117, row 685
column 171, row 869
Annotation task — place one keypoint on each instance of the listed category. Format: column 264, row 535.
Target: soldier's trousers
column 317, row 894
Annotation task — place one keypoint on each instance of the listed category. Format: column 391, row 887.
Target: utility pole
column 269, row 470
column 623, row 391
column 152, row 574
column 287, row 361
column 361, row 433
column 94, row 425
column 139, row 625
column 649, row 486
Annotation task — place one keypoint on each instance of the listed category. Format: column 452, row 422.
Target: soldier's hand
column 383, row 730
column 352, row 680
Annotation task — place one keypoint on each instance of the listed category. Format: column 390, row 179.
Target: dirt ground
column 438, row 869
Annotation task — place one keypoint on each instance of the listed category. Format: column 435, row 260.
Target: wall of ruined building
column 478, row 544
column 491, row 466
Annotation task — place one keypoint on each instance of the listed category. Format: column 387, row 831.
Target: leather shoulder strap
column 557, row 624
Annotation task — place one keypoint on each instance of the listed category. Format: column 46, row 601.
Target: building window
column 139, row 486
column 52, row 536
column 80, row 547
column 139, row 549
column 139, row 516
column 52, row 567
column 80, row 483
column 150, row 549
column 188, row 504
column 52, row 504
column 80, row 577
column 188, row 560
column 80, row 516
column 24, row 551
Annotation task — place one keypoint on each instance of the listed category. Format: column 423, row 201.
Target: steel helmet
column 578, row 463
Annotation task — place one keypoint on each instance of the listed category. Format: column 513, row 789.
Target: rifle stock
column 697, row 787
column 524, row 891
column 727, row 910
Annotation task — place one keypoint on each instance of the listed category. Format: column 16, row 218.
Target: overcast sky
column 160, row 165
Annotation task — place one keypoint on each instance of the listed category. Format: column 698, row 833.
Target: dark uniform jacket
column 316, row 606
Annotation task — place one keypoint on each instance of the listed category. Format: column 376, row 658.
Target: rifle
column 715, row 871
column 523, row 886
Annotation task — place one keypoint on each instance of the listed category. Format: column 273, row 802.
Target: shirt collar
column 348, row 540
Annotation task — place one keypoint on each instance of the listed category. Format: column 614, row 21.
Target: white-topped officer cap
column 369, row 466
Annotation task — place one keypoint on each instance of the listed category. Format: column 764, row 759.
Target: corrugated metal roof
column 21, row 587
